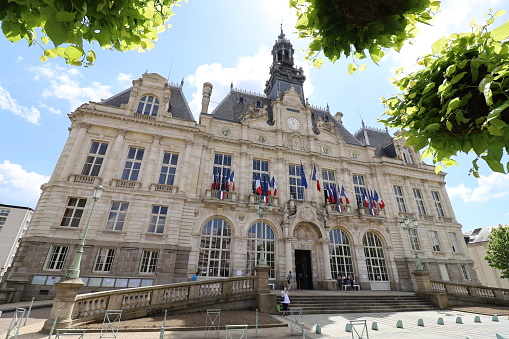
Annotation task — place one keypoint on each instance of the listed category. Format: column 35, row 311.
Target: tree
column 459, row 101
column 120, row 25
column 497, row 254
column 345, row 27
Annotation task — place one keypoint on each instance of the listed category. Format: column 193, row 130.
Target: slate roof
column 178, row 103
column 380, row 139
column 345, row 134
column 479, row 234
column 236, row 103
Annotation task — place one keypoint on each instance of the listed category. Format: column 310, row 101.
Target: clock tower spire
column 283, row 73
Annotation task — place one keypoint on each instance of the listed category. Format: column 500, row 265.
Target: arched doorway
column 375, row 262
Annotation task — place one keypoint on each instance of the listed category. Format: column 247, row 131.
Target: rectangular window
column 407, row 156
column 157, row 219
column 56, row 258
column 2, row 221
column 104, row 260
column 95, row 159
column 4, row 212
column 116, row 218
column 438, row 204
column 296, row 187
column 222, row 168
column 359, row 188
column 73, row 212
column 168, row 169
column 149, row 261
column 435, row 243
column 261, row 171
column 464, row 272
column 454, row 242
column 419, row 202
column 400, row 200
column 133, row 164
column 328, row 181
column 414, row 240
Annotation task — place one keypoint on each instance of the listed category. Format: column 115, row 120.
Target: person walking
column 285, row 300
column 290, row 280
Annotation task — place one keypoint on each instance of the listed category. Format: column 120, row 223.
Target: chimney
column 207, row 92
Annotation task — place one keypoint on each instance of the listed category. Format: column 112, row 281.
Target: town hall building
column 209, row 196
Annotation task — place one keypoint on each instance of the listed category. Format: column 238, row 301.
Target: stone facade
column 160, row 219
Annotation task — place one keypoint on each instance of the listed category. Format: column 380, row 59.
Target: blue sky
column 219, row 41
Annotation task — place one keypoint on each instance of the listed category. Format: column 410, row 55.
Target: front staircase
column 333, row 304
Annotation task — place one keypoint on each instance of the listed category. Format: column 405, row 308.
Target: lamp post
column 74, row 269
column 411, row 225
column 262, row 209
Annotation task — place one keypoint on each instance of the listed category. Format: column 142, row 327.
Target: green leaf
column 352, row 68
column 500, row 33
column 438, row 45
column 496, row 112
column 56, row 31
column 73, row 53
column 431, row 128
column 450, row 70
column 458, row 77
column 428, row 87
column 453, row 104
column 448, row 125
column 318, row 62
column 495, row 131
column 12, row 31
column 495, row 166
column 65, row 16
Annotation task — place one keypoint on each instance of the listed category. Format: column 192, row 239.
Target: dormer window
column 407, row 156
column 148, row 105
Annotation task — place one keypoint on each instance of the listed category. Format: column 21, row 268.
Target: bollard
column 477, row 319
column 459, row 320
column 374, row 326
column 348, row 328
column 399, row 324
column 440, row 321
column 256, row 330
column 500, row 336
column 318, row 329
column 420, row 322
column 494, row 318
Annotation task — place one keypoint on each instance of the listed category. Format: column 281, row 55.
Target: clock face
column 293, row 123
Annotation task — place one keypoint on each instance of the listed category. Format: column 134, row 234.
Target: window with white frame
column 56, row 258
column 340, row 254
column 464, row 272
column 149, row 261
column 375, row 258
column 117, row 216
column 168, row 169
column 260, row 234
column 148, row 105
column 419, row 201
column 73, row 212
column 222, row 168
column 215, row 251
column 414, row 239
column 435, row 243
column 359, row 188
column 157, row 219
column 329, row 180
column 400, row 200
column 2, row 221
column 133, row 164
column 407, row 156
column 104, row 259
column 438, row 204
column 454, row 242
column 295, row 180
column 94, row 159
column 4, row 212
column 261, row 172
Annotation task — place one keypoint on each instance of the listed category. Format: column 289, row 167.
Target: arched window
column 214, row 260
column 148, row 105
column 261, row 234
column 375, row 259
column 340, row 254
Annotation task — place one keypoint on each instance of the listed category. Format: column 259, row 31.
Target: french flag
column 221, row 195
column 365, row 199
column 373, row 198
column 316, row 178
column 330, row 192
column 258, row 186
column 231, row 181
column 380, row 201
column 215, row 179
column 274, row 186
column 343, row 195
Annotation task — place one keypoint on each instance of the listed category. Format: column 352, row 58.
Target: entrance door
column 303, row 273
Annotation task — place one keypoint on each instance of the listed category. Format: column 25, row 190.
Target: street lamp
column 74, row 270
column 407, row 226
column 262, row 209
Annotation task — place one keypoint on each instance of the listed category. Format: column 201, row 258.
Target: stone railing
column 464, row 293
column 141, row 301
column 6, row 295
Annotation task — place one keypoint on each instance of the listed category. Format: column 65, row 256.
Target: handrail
column 469, row 291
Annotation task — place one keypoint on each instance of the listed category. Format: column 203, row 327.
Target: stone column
column 67, row 289
column 75, row 150
column 328, row 284
column 151, row 162
column 288, row 258
column 428, row 199
column 411, row 206
column 112, row 162
column 265, row 301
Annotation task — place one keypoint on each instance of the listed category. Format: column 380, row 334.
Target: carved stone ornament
column 241, row 217
column 254, row 113
column 305, row 233
column 261, row 138
column 196, row 213
column 307, row 213
column 226, row 132
column 323, row 123
column 292, row 140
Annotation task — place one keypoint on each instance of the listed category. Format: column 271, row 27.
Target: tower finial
column 281, row 27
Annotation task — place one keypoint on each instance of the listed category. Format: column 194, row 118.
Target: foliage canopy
column 459, row 101
column 343, row 27
column 497, row 254
column 120, row 25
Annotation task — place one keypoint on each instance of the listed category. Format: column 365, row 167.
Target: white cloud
column 125, row 79
column 250, row 74
column 49, row 108
column 8, row 103
column 19, row 187
column 63, row 84
column 495, row 186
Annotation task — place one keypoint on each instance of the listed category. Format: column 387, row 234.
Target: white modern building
column 184, row 196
